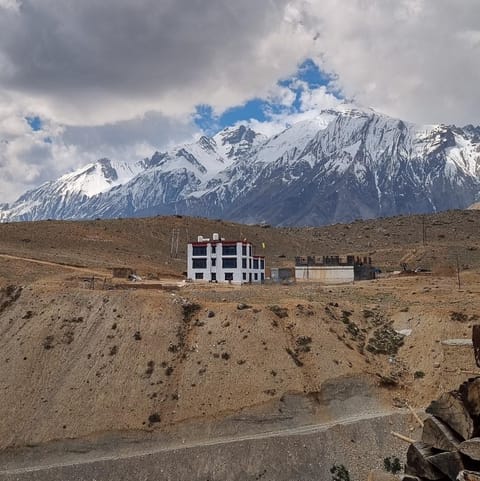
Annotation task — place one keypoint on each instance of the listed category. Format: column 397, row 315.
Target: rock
column 468, row 476
column 471, row 448
column 418, row 464
column 241, row 306
column 470, row 392
column 210, row 314
column 451, row 410
column 449, row 464
column 439, row 435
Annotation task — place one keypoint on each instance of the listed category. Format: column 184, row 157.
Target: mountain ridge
column 344, row 164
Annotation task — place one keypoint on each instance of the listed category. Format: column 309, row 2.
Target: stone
column 439, row 435
column 449, row 464
column 452, row 411
column 471, row 448
column 418, row 464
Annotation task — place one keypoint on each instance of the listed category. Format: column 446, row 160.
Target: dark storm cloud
column 91, row 51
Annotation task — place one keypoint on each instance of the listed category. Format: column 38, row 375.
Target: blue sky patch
column 35, row 123
column 308, row 76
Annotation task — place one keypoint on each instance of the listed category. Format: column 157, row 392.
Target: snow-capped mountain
column 63, row 198
column 345, row 164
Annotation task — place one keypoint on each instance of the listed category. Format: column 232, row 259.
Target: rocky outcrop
column 450, row 444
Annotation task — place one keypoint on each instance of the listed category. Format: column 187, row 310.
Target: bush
column 418, row 374
column 339, row 473
column 154, row 418
column 392, row 465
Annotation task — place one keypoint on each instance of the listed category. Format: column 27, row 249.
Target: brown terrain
column 162, row 355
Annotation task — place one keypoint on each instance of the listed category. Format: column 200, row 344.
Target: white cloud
column 92, row 62
column 118, row 77
column 414, row 59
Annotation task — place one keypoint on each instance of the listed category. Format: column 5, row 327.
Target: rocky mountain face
column 345, row 164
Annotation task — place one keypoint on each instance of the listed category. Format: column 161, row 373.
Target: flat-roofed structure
column 220, row 260
column 333, row 269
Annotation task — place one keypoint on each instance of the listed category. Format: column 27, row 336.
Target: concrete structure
column 282, row 274
column 333, row 269
column 219, row 260
column 325, row 275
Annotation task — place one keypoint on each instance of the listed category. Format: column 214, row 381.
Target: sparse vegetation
column 392, row 465
column 137, row 336
column 150, row 368
column 339, row 473
column 303, row 344
column 154, row 418
column 189, row 309
column 385, row 340
column 458, row 317
column 48, row 342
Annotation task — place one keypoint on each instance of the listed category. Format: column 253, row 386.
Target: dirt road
column 126, row 451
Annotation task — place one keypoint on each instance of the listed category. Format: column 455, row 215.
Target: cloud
column 414, row 59
column 119, row 77
column 92, row 62
column 29, row 157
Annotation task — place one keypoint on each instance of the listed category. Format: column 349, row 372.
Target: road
column 140, row 451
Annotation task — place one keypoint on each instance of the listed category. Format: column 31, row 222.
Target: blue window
column 199, row 250
column 229, row 250
column 228, row 263
column 199, row 263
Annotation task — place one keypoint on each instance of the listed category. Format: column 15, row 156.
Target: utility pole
column 424, row 231
column 458, row 273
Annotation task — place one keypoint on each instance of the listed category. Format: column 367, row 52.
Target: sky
column 81, row 80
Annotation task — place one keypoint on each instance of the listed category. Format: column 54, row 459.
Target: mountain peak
column 348, row 162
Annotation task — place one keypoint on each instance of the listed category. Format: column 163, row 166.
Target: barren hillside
column 78, row 361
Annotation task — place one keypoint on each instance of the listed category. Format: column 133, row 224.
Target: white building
column 219, row 260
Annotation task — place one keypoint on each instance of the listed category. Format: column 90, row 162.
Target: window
column 199, row 263
column 229, row 250
column 255, row 263
column 214, row 277
column 229, row 276
column 244, row 263
column 214, row 249
column 244, row 250
column 262, row 276
column 249, row 263
column 262, row 263
column 214, row 261
column 198, row 275
column 199, row 250
column 244, row 276
column 228, row 263
column 250, row 251
column 256, row 276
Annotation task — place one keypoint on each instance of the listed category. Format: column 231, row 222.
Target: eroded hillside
column 78, row 361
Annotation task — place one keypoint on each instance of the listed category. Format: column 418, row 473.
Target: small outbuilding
column 333, row 269
column 122, row 272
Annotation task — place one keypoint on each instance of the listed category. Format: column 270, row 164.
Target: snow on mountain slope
column 356, row 163
column 344, row 164
column 187, row 170
column 62, row 198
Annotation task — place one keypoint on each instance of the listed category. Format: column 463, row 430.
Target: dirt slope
column 79, row 362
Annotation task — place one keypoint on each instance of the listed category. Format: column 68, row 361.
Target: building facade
column 219, row 260
column 334, row 269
